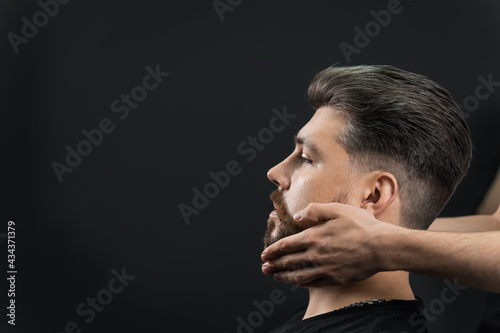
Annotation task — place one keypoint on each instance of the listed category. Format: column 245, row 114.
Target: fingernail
column 263, row 255
column 277, row 277
column 297, row 216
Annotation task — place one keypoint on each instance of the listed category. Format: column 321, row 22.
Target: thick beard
column 284, row 225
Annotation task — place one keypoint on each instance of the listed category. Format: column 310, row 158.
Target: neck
column 384, row 285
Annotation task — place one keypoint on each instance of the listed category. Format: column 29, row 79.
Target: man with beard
column 391, row 142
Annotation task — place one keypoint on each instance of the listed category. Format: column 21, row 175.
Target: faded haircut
column 402, row 123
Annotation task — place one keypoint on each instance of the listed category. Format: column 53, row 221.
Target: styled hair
column 402, row 123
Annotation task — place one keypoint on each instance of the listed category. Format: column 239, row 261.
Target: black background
column 119, row 207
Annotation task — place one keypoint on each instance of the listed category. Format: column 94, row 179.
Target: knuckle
column 286, row 277
column 284, row 246
column 328, row 260
column 314, row 238
column 311, row 208
column 324, row 246
column 309, row 260
column 286, row 264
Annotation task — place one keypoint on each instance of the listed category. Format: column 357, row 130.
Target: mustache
column 281, row 207
column 285, row 224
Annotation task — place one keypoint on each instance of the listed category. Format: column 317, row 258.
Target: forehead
column 323, row 129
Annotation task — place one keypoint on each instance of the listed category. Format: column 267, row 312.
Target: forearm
column 472, row 258
column 471, row 223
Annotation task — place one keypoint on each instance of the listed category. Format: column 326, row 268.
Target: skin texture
column 349, row 244
column 319, row 170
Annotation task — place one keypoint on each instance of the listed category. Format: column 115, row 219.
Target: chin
column 272, row 232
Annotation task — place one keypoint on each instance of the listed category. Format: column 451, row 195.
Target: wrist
column 389, row 245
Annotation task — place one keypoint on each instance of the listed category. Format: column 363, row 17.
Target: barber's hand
column 341, row 249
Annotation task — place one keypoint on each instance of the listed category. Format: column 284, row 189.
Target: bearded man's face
column 318, row 170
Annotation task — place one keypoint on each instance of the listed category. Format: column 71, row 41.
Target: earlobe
column 381, row 192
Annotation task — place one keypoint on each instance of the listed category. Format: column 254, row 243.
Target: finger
column 287, row 245
column 322, row 212
column 301, row 276
column 286, row 263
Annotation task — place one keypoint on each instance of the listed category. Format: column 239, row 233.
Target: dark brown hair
column 403, row 123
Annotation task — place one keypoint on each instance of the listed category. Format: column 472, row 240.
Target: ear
column 381, row 190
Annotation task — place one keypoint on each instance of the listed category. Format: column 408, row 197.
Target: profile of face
column 318, row 170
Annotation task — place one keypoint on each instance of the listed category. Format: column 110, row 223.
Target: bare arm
column 472, row 223
column 488, row 220
column 468, row 248
column 472, row 258
column 352, row 245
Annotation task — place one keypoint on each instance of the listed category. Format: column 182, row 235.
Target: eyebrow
column 300, row 140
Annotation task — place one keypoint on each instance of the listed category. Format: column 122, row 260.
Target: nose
column 279, row 175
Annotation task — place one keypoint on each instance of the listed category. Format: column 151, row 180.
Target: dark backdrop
column 118, row 209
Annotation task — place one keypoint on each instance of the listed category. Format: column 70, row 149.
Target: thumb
column 321, row 212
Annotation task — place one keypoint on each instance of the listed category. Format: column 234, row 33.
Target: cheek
column 314, row 187
column 304, row 191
